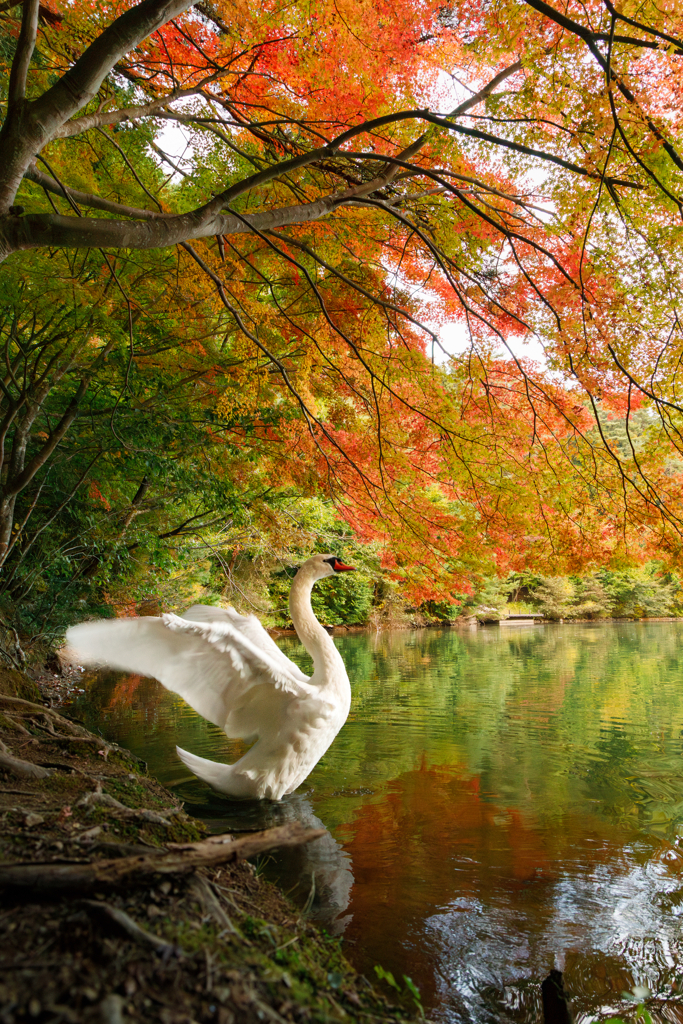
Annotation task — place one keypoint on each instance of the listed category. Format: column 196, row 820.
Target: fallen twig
column 35, row 879
column 128, row 925
column 211, row 904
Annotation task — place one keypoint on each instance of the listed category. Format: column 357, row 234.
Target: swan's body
column 232, row 673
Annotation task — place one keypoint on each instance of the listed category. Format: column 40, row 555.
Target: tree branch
column 23, row 137
column 589, row 39
column 466, row 105
column 639, row 25
column 22, row 57
column 414, row 148
column 96, row 120
column 86, row 198
column 20, row 481
column 180, row 859
column 35, row 230
column 88, row 121
column 650, row 44
column 182, row 528
column 39, row 230
column 82, row 81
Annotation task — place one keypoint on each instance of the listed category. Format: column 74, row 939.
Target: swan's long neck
column 327, row 661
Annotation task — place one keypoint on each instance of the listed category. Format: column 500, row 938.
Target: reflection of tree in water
column 605, row 772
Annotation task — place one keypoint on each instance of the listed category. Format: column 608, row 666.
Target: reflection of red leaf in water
column 124, row 692
column 434, row 837
column 437, row 840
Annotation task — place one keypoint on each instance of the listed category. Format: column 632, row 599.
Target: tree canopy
column 190, row 342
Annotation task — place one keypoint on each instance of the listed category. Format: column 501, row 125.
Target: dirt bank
column 116, row 906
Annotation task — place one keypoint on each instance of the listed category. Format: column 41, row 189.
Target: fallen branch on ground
column 48, row 878
column 128, row 925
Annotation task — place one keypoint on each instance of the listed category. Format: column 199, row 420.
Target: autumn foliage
column 269, row 310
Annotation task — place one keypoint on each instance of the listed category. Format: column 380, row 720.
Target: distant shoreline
column 473, row 623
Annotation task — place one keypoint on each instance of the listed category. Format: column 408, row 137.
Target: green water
column 499, row 803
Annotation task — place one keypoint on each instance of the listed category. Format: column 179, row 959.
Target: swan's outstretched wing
column 213, row 666
column 250, row 626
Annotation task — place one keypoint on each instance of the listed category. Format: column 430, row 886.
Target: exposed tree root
column 127, row 925
column 24, row 769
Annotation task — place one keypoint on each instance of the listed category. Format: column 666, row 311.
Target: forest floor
column 116, row 907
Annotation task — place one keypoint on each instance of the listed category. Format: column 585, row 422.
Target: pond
column 500, row 802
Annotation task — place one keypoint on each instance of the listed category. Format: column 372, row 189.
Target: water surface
column 499, row 803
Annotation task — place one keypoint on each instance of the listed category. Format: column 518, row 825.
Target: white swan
column 231, row 672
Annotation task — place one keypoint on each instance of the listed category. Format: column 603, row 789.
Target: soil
column 215, row 944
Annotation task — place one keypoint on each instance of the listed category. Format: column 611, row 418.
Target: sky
column 455, row 339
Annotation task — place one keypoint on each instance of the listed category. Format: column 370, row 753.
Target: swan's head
column 320, row 566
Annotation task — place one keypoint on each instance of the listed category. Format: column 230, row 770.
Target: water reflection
column 499, row 803
column 318, row 876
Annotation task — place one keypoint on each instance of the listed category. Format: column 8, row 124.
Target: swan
column 229, row 670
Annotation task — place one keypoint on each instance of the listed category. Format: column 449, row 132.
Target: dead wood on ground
column 51, row 877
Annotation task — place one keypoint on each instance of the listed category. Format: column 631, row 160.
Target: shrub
column 554, row 597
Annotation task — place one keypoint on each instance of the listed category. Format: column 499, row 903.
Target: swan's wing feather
column 250, row 626
column 216, row 669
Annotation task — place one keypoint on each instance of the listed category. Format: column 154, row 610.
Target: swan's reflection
column 316, row 876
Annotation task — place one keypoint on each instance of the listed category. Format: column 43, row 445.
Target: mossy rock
column 16, row 684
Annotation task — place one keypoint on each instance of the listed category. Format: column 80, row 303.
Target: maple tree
column 336, row 208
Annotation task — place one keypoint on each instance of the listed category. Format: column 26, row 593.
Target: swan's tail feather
column 220, row 777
